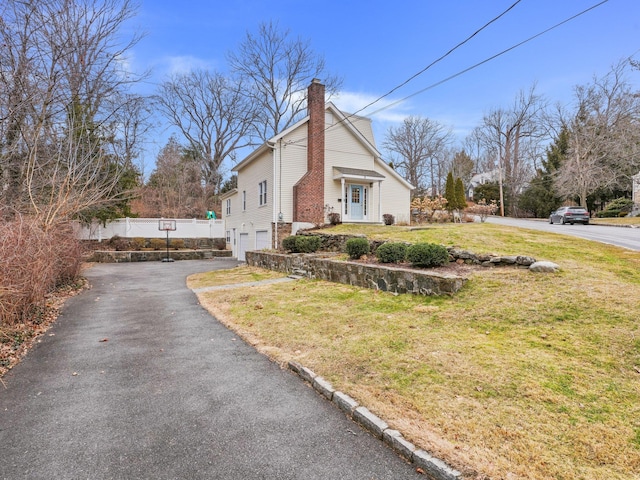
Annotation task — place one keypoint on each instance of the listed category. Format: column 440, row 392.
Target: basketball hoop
column 167, row 226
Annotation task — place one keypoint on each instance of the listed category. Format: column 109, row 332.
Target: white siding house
column 324, row 163
column 480, row 179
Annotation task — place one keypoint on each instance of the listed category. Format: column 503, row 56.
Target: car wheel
column 551, row 221
column 570, row 223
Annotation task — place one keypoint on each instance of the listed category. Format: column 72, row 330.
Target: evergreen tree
column 229, row 184
column 557, row 152
column 461, row 199
column 541, row 198
column 121, row 196
column 450, row 192
column 114, row 180
column 488, row 192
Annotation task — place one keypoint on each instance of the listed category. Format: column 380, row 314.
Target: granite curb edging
column 432, row 466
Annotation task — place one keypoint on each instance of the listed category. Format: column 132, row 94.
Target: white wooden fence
column 149, row 228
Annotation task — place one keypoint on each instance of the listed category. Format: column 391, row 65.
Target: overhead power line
column 451, row 77
column 493, row 57
column 439, row 58
column 449, row 52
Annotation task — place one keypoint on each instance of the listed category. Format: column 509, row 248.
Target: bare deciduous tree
column 175, row 188
column 61, row 68
column 420, row 144
column 604, row 138
column 213, row 114
column 277, row 70
column 474, row 145
column 131, row 123
column 461, row 165
column 513, row 137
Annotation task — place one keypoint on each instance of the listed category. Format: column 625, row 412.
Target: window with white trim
column 228, row 236
column 346, row 200
column 263, row 192
column 364, row 206
column 228, row 207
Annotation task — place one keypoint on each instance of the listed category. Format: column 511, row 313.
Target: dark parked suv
column 570, row 215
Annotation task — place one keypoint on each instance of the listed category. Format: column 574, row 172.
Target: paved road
column 170, row 394
column 620, row 236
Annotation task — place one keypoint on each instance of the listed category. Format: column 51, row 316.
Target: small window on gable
column 328, row 118
column 228, row 207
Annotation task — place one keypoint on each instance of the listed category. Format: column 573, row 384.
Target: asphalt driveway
column 137, row 381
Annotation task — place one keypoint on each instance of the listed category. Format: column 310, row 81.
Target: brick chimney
column 308, row 193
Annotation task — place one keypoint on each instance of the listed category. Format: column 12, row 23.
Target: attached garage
column 262, row 240
column 243, row 243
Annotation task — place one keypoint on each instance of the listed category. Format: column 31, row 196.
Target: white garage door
column 262, row 240
column 243, row 243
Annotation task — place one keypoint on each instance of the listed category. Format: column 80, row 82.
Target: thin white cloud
column 352, row 102
column 185, row 64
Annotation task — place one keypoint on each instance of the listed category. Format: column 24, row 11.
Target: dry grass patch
column 231, row 277
column 617, row 221
column 518, row 376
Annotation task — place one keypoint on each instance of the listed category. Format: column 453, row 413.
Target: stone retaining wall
column 338, row 243
column 155, row 255
column 126, row 244
column 387, row 279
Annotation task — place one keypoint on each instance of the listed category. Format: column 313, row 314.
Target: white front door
column 356, row 202
column 243, row 243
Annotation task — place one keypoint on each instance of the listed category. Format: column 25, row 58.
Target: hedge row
column 424, row 255
column 301, row 243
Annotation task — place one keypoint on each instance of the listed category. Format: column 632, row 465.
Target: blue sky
column 376, row 45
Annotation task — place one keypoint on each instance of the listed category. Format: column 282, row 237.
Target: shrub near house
column 427, row 255
column 392, row 252
column 301, row 244
column 357, row 247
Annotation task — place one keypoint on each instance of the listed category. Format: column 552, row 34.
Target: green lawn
column 520, row 375
column 617, row 221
